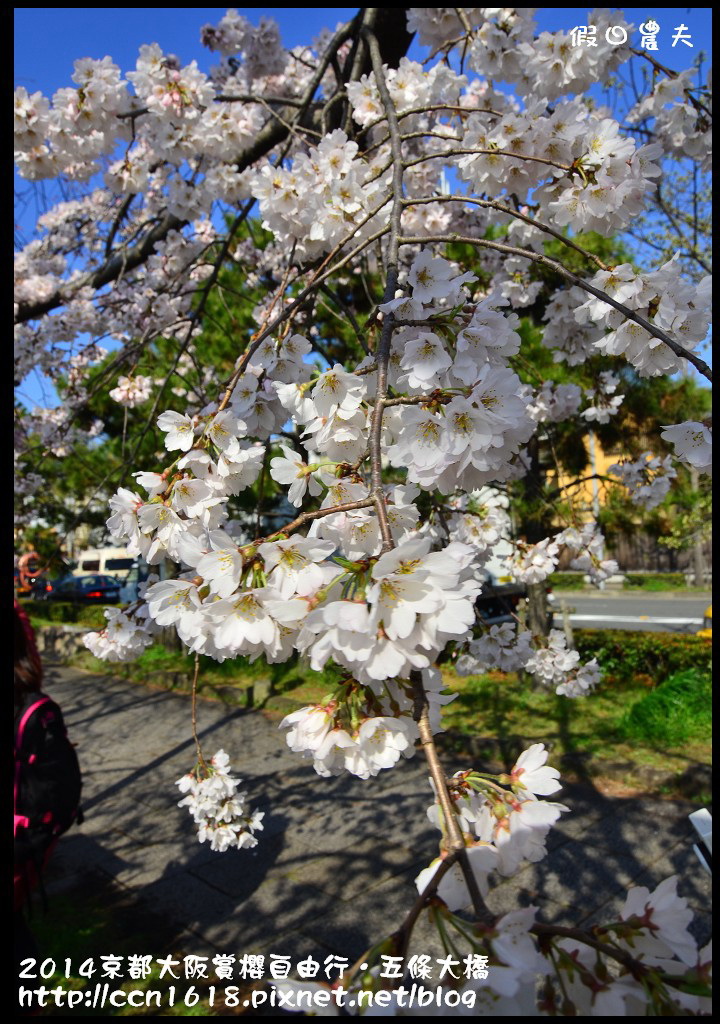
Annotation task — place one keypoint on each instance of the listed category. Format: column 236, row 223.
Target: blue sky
column 49, row 39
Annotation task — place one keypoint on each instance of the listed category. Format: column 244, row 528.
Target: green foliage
column 624, row 654
column 677, row 711
column 64, row 611
column 567, row 580
column 653, row 581
column 496, row 716
column 692, row 519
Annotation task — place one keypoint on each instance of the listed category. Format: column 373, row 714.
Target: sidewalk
column 333, row 871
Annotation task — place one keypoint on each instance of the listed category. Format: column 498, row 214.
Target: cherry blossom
column 693, row 444
column 217, row 807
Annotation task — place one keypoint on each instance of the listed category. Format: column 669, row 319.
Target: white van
column 113, row 561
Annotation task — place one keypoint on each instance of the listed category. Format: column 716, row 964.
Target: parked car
column 42, row 588
column 498, row 602
column 115, row 561
column 87, row 590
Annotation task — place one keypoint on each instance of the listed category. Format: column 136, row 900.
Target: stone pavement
column 333, row 871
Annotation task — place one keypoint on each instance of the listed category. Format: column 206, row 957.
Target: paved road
column 335, row 865
column 658, row 612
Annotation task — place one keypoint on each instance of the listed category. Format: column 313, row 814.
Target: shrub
column 623, row 654
column 676, row 711
column 65, row 611
column 653, row 580
column 567, row 580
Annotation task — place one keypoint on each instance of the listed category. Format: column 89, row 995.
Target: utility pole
column 698, row 552
column 595, row 489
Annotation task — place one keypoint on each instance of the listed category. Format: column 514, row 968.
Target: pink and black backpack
column 47, row 779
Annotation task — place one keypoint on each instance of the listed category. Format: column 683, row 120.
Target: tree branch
column 631, row 314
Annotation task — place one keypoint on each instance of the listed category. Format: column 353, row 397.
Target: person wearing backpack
column 47, row 780
column 47, row 787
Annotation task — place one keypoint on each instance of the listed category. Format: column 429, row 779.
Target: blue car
column 87, row 590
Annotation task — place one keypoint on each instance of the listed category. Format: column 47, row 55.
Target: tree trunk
column 538, row 618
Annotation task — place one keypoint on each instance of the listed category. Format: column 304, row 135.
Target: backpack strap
column 27, row 714
column 25, row 717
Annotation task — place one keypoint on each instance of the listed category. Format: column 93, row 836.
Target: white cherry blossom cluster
column 522, row 972
column 259, row 47
column 509, row 826
column 552, row 402
column 581, row 171
column 647, row 479
column 504, row 49
column 533, row 563
column 331, row 410
column 410, row 85
column 132, row 391
column 513, row 283
column 218, row 807
column 570, row 342
column 615, row 182
column 556, row 665
column 470, row 439
column 124, row 638
column 437, row 26
column 376, row 743
column 479, row 519
column 604, row 403
column 79, row 126
column 665, row 298
column 400, row 609
column 653, row 928
column 325, row 197
column 29, row 483
column 681, row 120
column 589, row 544
column 502, row 647
column 348, row 733
column 54, row 430
column 415, row 602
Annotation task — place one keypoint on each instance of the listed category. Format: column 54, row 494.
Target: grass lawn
column 497, row 716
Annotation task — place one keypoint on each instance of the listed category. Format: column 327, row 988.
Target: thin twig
column 308, row 517
column 494, row 205
column 383, row 350
column 201, row 759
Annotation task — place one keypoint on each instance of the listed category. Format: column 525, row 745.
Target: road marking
column 635, row 618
